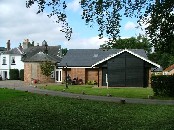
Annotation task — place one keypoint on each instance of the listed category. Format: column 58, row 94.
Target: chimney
column 20, row 46
column 8, row 45
column 26, row 43
column 46, row 48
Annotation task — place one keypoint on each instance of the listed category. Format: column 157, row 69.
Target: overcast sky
column 18, row 23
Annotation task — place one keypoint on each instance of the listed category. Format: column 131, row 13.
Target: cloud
column 129, row 25
column 74, row 5
column 85, row 43
column 18, row 23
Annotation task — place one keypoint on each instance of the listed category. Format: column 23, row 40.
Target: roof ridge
column 171, row 67
column 125, row 50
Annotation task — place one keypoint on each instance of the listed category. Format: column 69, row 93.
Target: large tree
column 163, row 59
column 139, row 42
column 158, row 15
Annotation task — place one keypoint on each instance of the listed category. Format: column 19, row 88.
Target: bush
column 93, row 82
column 14, row 74
column 163, row 85
column 21, row 75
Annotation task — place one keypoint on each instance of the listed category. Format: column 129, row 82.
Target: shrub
column 163, row 85
column 14, row 74
column 21, row 74
column 93, row 82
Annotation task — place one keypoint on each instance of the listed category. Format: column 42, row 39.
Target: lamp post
column 66, row 85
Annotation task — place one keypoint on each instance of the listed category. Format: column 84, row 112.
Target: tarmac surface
column 20, row 85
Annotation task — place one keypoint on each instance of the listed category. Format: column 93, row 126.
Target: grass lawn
column 116, row 92
column 22, row 110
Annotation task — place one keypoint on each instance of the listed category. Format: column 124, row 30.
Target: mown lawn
column 22, row 110
column 116, row 92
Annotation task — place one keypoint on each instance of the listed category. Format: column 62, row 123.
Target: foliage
column 163, row 85
column 139, row 42
column 14, row 74
column 161, row 25
column 31, row 111
column 91, row 82
column 115, row 92
column 156, row 15
column 164, row 59
column 47, row 67
column 64, row 51
column 21, row 74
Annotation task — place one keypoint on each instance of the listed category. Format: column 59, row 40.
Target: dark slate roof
column 35, row 54
column 88, row 57
column 40, row 56
column 14, row 51
column 3, row 49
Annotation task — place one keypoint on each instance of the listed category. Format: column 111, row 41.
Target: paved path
column 19, row 85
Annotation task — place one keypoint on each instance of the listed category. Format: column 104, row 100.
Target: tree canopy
column 165, row 59
column 139, row 42
column 158, row 15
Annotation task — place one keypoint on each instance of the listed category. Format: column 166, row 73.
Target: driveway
column 12, row 83
column 20, row 85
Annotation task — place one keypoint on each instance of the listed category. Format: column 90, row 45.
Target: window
column 58, row 75
column 52, row 74
column 4, row 61
column 13, row 60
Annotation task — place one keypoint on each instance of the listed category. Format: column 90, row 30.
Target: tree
column 156, row 14
column 164, row 59
column 46, row 68
column 64, row 51
column 139, row 42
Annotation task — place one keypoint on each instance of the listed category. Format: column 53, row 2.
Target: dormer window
column 13, row 60
column 95, row 55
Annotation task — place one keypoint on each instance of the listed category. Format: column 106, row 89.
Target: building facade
column 10, row 59
column 33, row 56
column 112, row 68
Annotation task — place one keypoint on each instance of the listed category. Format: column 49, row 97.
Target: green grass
column 21, row 110
column 116, row 92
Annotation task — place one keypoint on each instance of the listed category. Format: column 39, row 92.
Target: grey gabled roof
column 33, row 54
column 89, row 57
column 15, row 51
column 40, row 57
column 130, row 52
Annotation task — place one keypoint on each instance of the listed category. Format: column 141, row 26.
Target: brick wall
column 84, row 74
column 100, row 77
column 77, row 73
column 92, row 74
column 27, row 72
column 32, row 70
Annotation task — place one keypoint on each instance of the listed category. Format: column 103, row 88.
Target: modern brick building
column 113, row 67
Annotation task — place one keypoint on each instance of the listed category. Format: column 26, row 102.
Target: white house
column 10, row 59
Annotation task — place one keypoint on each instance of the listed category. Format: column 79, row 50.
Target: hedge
column 21, row 74
column 14, row 74
column 163, row 85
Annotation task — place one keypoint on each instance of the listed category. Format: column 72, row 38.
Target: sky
column 18, row 23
